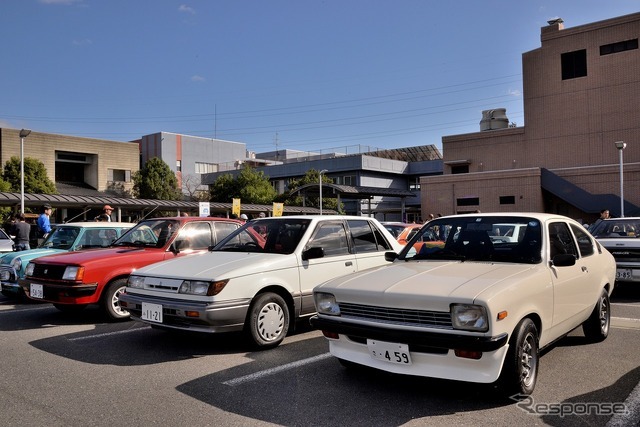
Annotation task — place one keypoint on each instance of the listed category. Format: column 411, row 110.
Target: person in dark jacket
column 21, row 231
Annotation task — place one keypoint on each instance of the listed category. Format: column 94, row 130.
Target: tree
column 250, row 186
column 311, row 177
column 36, row 180
column 157, row 181
column 192, row 188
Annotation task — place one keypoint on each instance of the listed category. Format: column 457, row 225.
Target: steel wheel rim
column 115, row 302
column 270, row 322
column 528, row 360
column 604, row 315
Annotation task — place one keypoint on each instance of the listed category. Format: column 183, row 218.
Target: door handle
column 585, row 269
column 348, row 264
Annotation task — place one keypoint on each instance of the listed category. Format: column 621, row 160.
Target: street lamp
column 621, row 145
column 320, row 177
column 23, row 134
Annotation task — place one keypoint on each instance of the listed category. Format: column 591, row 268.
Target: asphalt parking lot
column 81, row 370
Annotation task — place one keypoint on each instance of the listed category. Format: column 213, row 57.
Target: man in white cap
column 244, row 218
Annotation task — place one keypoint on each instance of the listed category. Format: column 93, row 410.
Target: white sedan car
column 471, row 308
column 259, row 279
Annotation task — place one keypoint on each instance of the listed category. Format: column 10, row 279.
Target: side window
column 332, row 237
column 561, row 240
column 364, row 238
column 382, row 242
column 585, row 244
column 222, row 230
column 196, row 235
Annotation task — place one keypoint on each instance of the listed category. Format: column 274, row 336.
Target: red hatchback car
column 71, row 281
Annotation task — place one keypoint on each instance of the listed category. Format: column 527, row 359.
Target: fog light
column 468, row 354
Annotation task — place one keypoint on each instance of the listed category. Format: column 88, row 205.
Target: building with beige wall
column 83, row 162
column 581, row 94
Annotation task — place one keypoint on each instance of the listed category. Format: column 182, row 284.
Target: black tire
column 268, row 321
column 70, row 308
column 520, row 369
column 110, row 303
column 596, row 327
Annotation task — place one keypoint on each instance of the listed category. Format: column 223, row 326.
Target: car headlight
column 29, row 270
column 73, row 272
column 469, row 317
column 326, row 304
column 202, row 287
column 16, row 263
column 136, row 281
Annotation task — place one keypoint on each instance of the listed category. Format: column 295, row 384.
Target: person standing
column 604, row 214
column 44, row 225
column 106, row 212
column 21, row 231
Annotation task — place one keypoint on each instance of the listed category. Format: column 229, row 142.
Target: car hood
column 424, row 285
column 30, row 254
column 121, row 254
column 218, row 265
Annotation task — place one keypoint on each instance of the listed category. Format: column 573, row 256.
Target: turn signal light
column 192, row 314
column 502, row 315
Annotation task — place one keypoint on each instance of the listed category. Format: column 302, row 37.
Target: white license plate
column 624, row 274
column 36, row 291
column 389, row 352
column 152, row 312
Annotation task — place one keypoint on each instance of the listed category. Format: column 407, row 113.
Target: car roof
column 96, row 224
column 543, row 217
column 192, row 218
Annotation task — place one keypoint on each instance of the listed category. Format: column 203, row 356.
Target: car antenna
column 150, row 212
column 82, row 213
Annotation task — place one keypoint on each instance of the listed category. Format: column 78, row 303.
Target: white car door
column 337, row 261
column 570, row 298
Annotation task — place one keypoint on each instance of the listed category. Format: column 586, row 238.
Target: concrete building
column 71, row 161
column 190, row 156
column 380, row 183
column 581, row 96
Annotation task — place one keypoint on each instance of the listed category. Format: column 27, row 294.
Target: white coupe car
column 259, row 279
column 469, row 307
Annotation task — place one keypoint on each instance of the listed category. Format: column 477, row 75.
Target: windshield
column 394, row 229
column 622, row 227
column 61, row 238
column 482, row 238
column 151, row 233
column 277, row 236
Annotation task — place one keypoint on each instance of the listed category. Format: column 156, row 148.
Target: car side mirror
column 564, row 260
column 311, row 253
column 390, row 256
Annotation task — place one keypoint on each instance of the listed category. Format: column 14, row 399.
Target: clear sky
column 316, row 75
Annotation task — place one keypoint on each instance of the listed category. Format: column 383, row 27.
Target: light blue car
column 74, row 236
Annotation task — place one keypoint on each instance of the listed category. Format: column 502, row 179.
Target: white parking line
column 261, row 374
column 107, row 334
column 11, row 308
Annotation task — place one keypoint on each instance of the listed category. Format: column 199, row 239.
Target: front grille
column 49, row 271
column 397, row 316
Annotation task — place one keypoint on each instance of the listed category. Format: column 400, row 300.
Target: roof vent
column 494, row 119
column 554, row 21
